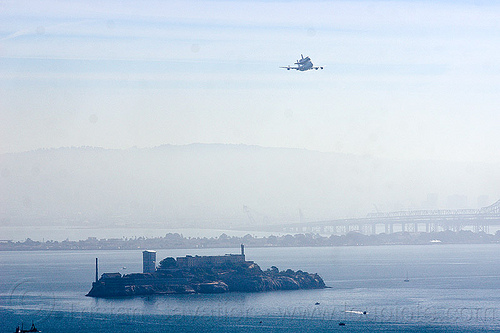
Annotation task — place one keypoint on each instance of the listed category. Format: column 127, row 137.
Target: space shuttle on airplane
column 303, row 64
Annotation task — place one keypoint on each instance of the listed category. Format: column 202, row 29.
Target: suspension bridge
column 477, row 220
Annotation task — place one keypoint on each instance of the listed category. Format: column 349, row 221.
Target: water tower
column 148, row 261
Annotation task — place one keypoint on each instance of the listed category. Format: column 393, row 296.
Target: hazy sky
column 402, row 79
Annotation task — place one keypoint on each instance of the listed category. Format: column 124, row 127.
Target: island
column 201, row 274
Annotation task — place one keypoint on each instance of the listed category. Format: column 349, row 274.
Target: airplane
column 303, row 64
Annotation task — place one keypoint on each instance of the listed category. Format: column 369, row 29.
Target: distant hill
column 223, row 185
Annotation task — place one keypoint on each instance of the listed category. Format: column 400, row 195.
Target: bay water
column 451, row 288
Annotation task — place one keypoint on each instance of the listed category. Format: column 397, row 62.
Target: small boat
column 341, row 323
column 22, row 330
column 357, row 312
column 407, row 279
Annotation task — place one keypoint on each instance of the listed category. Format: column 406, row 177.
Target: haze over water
column 452, row 288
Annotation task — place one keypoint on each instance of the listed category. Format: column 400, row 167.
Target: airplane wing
column 290, row 67
column 317, row 67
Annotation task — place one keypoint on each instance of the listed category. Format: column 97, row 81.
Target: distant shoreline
column 178, row 241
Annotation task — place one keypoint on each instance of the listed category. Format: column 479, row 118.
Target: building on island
column 148, row 261
column 200, row 261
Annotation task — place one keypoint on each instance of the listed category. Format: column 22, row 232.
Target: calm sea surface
column 452, row 288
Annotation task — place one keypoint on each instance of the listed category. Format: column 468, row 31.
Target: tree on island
column 168, row 262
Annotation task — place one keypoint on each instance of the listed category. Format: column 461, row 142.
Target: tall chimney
column 96, row 269
column 242, row 249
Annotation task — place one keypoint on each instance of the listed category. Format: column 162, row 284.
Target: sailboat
column 22, row 330
column 407, row 279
